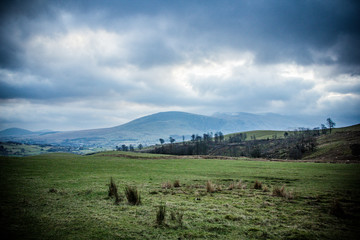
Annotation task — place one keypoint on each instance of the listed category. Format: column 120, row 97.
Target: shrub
column 257, row 185
column 176, row 183
column 113, row 192
column 132, row 195
column 160, row 215
column 210, row 188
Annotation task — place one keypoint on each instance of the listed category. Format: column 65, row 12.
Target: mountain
column 15, row 132
column 147, row 130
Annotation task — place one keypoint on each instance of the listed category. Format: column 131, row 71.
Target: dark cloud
column 275, row 30
column 185, row 55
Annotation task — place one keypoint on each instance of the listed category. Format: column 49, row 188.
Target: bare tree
column 330, row 123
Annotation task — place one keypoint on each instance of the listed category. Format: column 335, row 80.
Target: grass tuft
column 132, row 195
column 177, row 183
column 166, row 185
column 210, row 187
column 160, row 215
column 232, row 186
column 240, row 185
column 257, row 185
column 281, row 192
column 113, row 192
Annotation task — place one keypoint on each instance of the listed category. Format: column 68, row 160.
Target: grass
column 265, row 134
column 132, row 195
column 337, row 145
column 160, row 215
column 65, row 196
column 260, row 134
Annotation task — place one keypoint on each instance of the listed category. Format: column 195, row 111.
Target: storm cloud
column 90, row 64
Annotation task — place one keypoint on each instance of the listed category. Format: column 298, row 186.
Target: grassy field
column 265, row 134
column 260, row 134
column 65, row 196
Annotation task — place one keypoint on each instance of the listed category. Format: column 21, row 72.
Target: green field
column 65, row 196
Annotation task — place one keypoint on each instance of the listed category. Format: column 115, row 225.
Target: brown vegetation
column 281, row 192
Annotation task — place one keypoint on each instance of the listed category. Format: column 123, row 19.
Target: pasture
column 65, row 196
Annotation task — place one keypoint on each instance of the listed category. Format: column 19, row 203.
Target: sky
column 71, row 65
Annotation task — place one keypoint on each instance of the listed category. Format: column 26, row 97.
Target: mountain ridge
column 148, row 129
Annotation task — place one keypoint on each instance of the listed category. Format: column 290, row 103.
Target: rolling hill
column 147, row 130
column 15, row 132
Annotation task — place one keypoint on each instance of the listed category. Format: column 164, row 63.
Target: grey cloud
column 275, row 30
column 161, row 34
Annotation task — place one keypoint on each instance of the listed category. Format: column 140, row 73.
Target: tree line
column 292, row 145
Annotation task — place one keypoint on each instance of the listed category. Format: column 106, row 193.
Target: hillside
column 148, row 129
column 342, row 144
column 15, row 132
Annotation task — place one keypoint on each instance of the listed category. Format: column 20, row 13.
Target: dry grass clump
column 166, row 185
column 132, row 195
column 210, row 187
column 177, row 183
column 257, row 185
column 113, row 192
column 281, row 192
column 232, row 186
column 238, row 185
column 266, row 189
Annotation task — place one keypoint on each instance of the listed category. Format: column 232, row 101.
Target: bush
column 132, row 195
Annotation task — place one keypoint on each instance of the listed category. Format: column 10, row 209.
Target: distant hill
column 15, row 132
column 147, row 130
